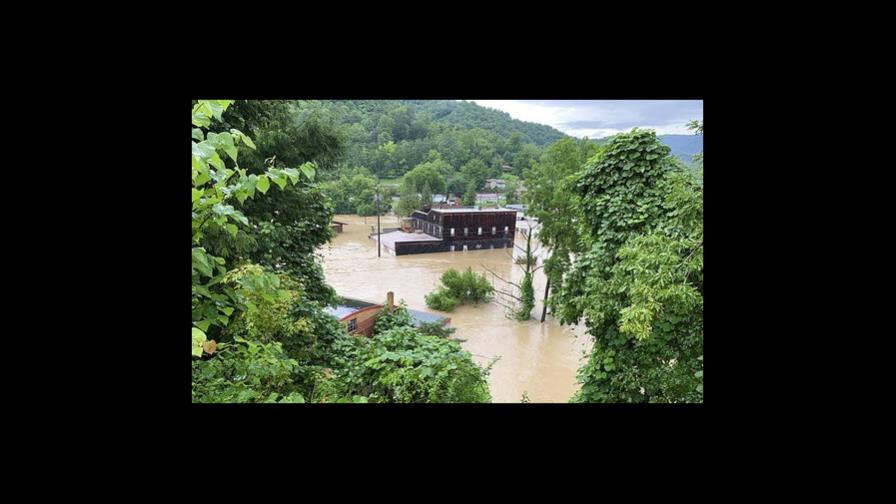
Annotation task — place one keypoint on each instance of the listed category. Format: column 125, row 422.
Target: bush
column 436, row 329
column 386, row 320
column 404, row 365
column 440, row 300
column 459, row 288
column 245, row 371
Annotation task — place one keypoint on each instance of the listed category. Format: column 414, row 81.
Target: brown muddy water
column 538, row 359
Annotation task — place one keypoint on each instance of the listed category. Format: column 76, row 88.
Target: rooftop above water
column 347, row 306
column 470, row 210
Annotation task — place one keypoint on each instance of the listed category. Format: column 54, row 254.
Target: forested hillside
column 390, row 137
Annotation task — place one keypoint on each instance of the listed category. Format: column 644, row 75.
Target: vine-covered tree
column 638, row 281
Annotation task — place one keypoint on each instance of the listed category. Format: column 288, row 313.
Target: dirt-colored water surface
column 538, row 359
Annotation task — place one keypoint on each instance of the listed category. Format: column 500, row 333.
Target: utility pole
column 378, row 247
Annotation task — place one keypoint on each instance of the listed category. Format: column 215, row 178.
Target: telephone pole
column 378, row 247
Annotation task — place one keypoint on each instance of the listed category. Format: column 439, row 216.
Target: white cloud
column 601, row 118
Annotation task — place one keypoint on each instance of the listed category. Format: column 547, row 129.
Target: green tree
column 476, row 171
column 470, row 196
column 408, row 201
column 551, row 200
column 639, row 281
column 424, row 174
column 426, row 195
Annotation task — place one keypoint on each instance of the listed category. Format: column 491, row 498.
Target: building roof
column 469, row 210
column 347, row 306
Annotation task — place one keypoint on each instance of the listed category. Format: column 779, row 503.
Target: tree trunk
column 544, row 306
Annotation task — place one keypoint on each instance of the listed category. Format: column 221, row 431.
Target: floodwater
column 538, row 359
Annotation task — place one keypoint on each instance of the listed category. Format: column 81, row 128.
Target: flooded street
column 538, row 359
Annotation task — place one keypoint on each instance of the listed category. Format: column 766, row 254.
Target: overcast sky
column 600, row 118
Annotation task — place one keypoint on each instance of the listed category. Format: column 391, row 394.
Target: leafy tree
column 470, row 196
column 426, row 174
column 408, row 201
column 217, row 293
column 639, row 280
column 457, row 185
column 426, row 195
column 476, row 171
column 551, row 200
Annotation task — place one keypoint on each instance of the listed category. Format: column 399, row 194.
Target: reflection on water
column 539, row 359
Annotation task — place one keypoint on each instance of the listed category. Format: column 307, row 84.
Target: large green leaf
column 308, row 170
column 200, row 261
column 217, row 162
column 242, row 136
column 278, row 177
column 200, row 117
column 292, row 173
column 263, row 184
column 225, row 142
column 198, row 340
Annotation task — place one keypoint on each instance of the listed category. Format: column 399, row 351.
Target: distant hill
column 471, row 115
column 390, row 137
column 683, row 146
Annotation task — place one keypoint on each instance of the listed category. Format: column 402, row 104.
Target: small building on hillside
column 493, row 183
column 359, row 317
column 506, row 168
column 484, row 198
column 337, row 226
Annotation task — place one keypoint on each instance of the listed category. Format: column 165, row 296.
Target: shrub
column 459, row 288
column 407, row 366
column 398, row 317
column 436, row 329
column 441, row 300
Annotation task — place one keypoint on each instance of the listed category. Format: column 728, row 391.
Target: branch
column 498, row 276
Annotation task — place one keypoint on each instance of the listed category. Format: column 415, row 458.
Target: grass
column 394, row 182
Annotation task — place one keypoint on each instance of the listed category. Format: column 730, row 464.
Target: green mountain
column 390, row 137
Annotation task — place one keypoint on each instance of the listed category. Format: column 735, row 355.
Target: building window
column 494, row 230
column 352, row 324
column 506, row 229
column 480, row 231
column 452, row 232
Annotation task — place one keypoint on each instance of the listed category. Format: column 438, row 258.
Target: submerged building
column 358, row 316
column 453, row 229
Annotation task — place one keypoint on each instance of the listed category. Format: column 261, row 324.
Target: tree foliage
column 638, row 277
column 403, row 365
column 260, row 333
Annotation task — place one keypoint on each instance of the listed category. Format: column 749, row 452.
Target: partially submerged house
column 337, row 226
column 453, row 229
column 358, row 316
